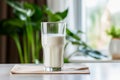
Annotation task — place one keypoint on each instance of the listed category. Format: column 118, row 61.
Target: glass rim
column 52, row 22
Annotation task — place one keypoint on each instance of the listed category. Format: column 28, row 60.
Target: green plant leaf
column 66, row 60
column 96, row 54
column 58, row 16
column 11, row 26
column 16, row 6
column 114, row 31
column 93, row 53
column 36, row 26
column 53, row 17
column 29, row 9
column 76, row 43
column 37, row 18
column 79, row 32
column 71, row 34
column 17, row 41
column 38, row 14
column 22, row 10
column 63, row 14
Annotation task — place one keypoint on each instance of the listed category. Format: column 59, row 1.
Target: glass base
column 53, row 68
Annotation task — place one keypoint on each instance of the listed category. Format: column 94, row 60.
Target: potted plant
column 114, row 46
column 26, row 24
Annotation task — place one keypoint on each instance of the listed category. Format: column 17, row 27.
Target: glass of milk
column 53, row 42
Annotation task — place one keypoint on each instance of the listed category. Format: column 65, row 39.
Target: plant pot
column 114, row 48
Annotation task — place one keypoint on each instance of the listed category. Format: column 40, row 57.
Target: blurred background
column 92, row 17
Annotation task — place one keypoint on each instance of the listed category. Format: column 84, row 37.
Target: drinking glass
column 53, row 42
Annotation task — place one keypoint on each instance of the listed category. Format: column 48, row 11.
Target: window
column 86, row 16
column 94, row 17
column 97, row 21
column 100, row 14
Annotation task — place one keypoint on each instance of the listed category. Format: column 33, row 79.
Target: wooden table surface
column 98, row 71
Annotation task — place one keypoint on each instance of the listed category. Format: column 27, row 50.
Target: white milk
column 53, row 48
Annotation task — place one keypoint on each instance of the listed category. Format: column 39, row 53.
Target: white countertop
column 98, row 71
